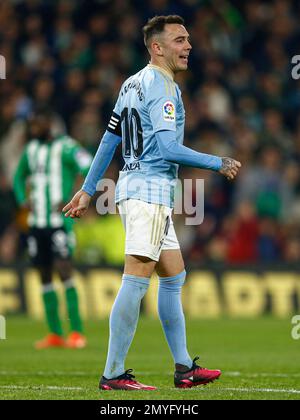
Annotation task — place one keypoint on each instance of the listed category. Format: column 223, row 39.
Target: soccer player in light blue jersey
column 149, row 120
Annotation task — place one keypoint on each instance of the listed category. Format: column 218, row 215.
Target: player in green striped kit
column 43, row 182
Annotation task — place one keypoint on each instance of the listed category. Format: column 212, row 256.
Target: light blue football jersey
column 149, row 101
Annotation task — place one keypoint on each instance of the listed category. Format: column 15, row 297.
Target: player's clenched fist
column 78, row 206
column 230, row 167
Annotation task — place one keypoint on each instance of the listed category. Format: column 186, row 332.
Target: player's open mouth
column 184, row 58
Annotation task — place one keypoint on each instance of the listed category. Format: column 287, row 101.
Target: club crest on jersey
column 169, row 111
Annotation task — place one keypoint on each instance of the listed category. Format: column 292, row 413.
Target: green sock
column 73, row 307
column 51, row 310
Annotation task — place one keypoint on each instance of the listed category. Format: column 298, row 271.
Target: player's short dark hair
column 43, row 112
column 156, row 26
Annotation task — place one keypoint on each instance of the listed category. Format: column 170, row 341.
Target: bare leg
column 170, row 263
column 137, row 265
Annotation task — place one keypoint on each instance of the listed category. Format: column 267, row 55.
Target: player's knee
column 45, row 275
column 64, row 269
column 139, row 265
column 173, row 282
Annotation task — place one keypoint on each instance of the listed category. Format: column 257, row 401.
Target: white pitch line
column 216, row 390
column 44, row 373
column 41, row 388
column 263, row 375
column 281, row 391
column 220, row 389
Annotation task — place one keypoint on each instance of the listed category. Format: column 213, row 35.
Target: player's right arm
column 20, row 178
column 79, row 204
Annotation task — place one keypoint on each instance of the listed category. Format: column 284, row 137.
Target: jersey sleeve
column 101, row 162
column 114, row 125
column 20, row 178
column 172, row 151
column 161, row 103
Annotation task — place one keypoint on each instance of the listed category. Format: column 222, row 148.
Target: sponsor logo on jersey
column 132, row 166
column 169, row 111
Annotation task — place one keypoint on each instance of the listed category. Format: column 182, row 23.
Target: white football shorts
column 149, row 228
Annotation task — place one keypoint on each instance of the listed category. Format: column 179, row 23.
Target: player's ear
column 157, row 48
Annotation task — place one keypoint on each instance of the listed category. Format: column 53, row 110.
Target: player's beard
column 44, row 136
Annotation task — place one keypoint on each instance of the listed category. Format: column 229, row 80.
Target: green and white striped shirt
column 51, row 169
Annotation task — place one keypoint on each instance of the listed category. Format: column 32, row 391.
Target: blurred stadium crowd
column 240, row 101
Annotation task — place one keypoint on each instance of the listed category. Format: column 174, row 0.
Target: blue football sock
column 172, row 317
column 123, row 322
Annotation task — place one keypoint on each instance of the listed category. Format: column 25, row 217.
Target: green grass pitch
column 259, row 360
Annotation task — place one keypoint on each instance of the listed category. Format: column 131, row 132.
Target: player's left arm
column 174, row 152
column 20, row 178
column 162, row 106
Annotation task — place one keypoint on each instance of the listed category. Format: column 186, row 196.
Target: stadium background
column 240, row 100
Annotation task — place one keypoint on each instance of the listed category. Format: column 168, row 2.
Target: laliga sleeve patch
column 169, row 111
